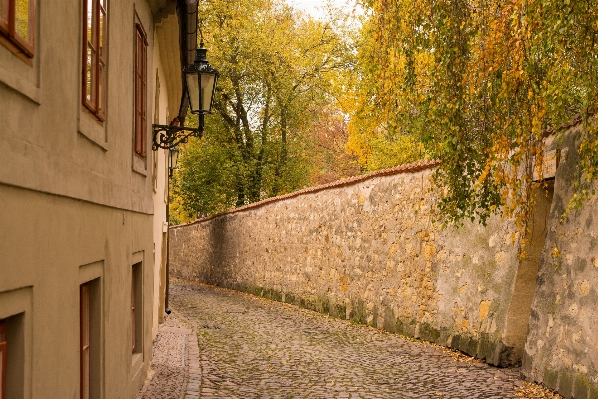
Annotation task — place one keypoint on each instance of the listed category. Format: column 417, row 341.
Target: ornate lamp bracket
column 168, row 136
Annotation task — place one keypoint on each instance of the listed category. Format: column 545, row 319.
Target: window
column 15, row 342
column 90, row 338
column 84, row 331
column 136, row 308
column 17, row 20
column 2, row 359
column 94, row 56
column 140, row 90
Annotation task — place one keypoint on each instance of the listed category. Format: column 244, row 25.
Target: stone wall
column 368, row 249
column 562, row 345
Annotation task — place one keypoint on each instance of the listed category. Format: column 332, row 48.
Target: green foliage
column 478, row 83
column 205, row 179
column 278, row 70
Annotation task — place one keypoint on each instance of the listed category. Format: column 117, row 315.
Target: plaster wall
column 48, row 141
column 50, row 245
column 561, row 349
column 77, row 204
column 160, row 191
column 369, row 251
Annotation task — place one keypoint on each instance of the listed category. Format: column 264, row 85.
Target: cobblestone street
column 250, row 347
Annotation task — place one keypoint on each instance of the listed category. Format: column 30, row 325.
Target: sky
column 315, row 7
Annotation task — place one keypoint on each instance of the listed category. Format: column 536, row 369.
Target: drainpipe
column 174, row 122
column 188, row 23
column 166, row 309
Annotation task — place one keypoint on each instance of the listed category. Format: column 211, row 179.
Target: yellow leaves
column 496, row 75
column 177, row 212
column 482, row 178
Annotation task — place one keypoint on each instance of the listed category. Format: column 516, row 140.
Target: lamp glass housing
column 201, row 83
column 193, row 91
column 173, row 158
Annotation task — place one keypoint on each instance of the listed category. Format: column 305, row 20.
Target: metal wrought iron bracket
column 168, row 136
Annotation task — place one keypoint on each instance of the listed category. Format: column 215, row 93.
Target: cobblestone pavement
column 174, row 372
column 254, row 348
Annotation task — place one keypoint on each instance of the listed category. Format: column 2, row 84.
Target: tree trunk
column 282, row 160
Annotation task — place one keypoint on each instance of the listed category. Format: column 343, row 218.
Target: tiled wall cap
column 406, row 168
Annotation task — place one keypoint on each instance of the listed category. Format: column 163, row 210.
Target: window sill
column 92, row 129
column 20, row 85
column 16, row 50
column 139, row 165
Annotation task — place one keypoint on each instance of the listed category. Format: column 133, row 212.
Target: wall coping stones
column 405, row 168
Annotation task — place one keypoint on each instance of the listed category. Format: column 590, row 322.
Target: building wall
column 160, row 192
column 370, row 251
column 561, row 349
column 76, row 204
column 50, row 245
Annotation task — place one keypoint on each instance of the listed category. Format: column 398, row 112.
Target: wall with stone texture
column 369, row 250
column 562, row 345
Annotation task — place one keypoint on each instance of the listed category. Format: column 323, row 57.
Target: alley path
column 255, row 348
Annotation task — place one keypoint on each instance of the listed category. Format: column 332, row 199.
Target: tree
column 275, row 66
column 377, row 136
column 328, row 137
column 479, row 83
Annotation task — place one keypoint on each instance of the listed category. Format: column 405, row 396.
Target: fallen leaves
column 534, row 391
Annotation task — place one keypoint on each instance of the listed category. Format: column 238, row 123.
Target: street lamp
column 173, row 159
column 200, row 81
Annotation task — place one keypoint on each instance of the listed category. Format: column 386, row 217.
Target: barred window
column 136, row 309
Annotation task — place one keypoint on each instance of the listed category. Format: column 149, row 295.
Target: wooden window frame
column 7, row 28
column 96, row 103
column 2, row 359
column 84, row 340
column 136, row 309
column 140, row 106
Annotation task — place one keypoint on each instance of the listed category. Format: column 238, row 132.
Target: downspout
column 188, row 22
column 166, row 308
column 187, row 13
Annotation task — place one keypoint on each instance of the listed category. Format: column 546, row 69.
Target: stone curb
column 194, row 370
column 190, row 372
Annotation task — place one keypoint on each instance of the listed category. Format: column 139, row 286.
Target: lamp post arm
column 168, row 136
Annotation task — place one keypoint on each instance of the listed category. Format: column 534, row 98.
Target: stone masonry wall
column 368, row 250
column 562, row 345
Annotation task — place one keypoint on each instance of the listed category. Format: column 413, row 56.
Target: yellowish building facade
column 83, row 197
